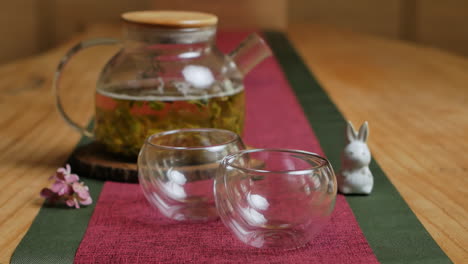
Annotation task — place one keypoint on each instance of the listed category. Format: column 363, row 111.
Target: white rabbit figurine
column 355, row 176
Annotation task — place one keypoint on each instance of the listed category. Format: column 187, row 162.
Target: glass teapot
column 168, row 75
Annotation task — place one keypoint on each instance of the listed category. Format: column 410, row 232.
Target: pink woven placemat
column 125, row 228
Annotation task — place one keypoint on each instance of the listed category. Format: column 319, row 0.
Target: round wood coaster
column 93, row 161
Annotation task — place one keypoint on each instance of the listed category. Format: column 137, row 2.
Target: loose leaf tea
column 123, row 122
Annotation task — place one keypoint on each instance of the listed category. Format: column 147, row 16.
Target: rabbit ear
column 350, row 132
column 363, row 132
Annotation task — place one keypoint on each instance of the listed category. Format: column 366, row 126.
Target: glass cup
column 275, row 198
column 176, row 170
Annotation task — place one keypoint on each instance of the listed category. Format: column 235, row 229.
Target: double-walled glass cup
column 274, row 198
column 176, row 170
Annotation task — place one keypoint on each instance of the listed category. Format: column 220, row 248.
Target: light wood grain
column 171, row 18
column 414, row 98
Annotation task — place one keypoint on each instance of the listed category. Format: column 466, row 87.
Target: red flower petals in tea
column 67, row 189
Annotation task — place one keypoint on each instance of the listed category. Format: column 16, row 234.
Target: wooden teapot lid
column 178, row 19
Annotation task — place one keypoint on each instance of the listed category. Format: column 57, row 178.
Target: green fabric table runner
column 392, row 230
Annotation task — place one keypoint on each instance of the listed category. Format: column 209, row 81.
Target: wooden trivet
column 93, row 161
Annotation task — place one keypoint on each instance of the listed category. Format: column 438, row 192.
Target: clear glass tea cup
column 176, row 170
column 283, row 203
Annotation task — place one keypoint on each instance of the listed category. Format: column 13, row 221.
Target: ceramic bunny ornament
column 355, row 176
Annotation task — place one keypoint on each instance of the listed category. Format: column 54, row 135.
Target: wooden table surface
column 415, row 99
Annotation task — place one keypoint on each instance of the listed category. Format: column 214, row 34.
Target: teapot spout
column 250, row 52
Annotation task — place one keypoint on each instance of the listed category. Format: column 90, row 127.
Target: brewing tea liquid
column 126, row 116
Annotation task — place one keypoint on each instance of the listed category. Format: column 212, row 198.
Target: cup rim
column 323, row 161
column 234, row 138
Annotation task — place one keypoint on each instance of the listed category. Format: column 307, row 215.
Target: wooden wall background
column 28, row 27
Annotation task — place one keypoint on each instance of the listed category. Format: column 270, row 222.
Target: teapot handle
column 58, row 73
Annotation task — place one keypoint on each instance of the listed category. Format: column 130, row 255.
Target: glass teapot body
column 168, row 78
column 176, row 80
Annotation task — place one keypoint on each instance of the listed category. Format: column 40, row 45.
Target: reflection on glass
column 176, row 170
column 174, row 188
column 272, row 198
column 199, row 76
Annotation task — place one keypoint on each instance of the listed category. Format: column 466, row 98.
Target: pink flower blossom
column 70, row 202
column 49, row 195
column 61, row 188
column 67, row 188
column 62, row 172
column 82, row 193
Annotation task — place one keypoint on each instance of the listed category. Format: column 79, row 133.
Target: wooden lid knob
column 179, row 19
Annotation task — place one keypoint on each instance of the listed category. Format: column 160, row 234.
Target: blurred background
column 29, row 27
